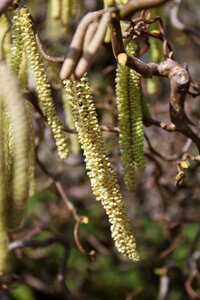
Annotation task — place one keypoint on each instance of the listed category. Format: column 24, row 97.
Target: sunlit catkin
column 137, row 119
column 125, row 135
column 3, row 225
column 5, row 41
column 14, row 104
column 103, row 180
column 42, row 84
column 131, row 108
column 16, row 46
column 74, row 143
column 137, row 105
column 65, row 12
column 31, row 165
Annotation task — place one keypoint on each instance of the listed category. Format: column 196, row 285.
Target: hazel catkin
column 103, row 180
column 24, row 23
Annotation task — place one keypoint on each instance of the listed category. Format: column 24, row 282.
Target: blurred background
column 75, row 257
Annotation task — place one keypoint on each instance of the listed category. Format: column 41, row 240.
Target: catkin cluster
column 23, row 25
column 59, row 14
column 131, row 108
column 15, row 160
column 103, row 180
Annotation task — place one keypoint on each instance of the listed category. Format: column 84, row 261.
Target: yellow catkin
column 53, row 24
column 65, row 13
column 42, row 84
column 68, row 10
column 23, row 72
column 107, row 38
column 9, row 158
column 73, row 7
column 4, row 255
column 31, row 165
column 137, row 105
column 137, row 120
column 17, row 115
column 16, row 46
column 5, row 40
column 56, row 9
column 74, row 143
column 125, row 136
column 103, row 180
column 131, row 107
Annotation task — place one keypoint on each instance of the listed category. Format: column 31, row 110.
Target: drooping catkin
column 4, row 255
column 17, row 115
column 130, row 107
column 65, row 13
column 103, row 180
column 53, row 24
column 16, row 46
column 137, row 120
column 42, row 84
column 31, row 165
column 59, row 14
column 23, row 72
column 56, row 9
column 136, row 99
column 73, row 7
column 125, row 135
column 5, row 40
column 74, row 143
column 9, row 159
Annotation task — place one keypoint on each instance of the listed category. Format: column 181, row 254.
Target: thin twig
column 132, row 7
column 44, row 54
column 39, row 243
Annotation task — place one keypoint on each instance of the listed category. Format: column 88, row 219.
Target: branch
column 103, row 128
column 43, row 52
column 180, row 83
column 132, row 7
column 4, row 4
column 167, row 127
column 146, row 70
column 38, row 243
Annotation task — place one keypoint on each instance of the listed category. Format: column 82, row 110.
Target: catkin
column 65, row 12
column 16, row 46
column 103, row 180
column 135, row 96
column 59, row 14
column 23, row 72
column 125, row 135
column 137, row 120
column 5, row 41
column 23, row 21
column 131, row 110
column 31, row 165
column 74, row 143
column 18, row 118
column 4, row 256
column 16, row 161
